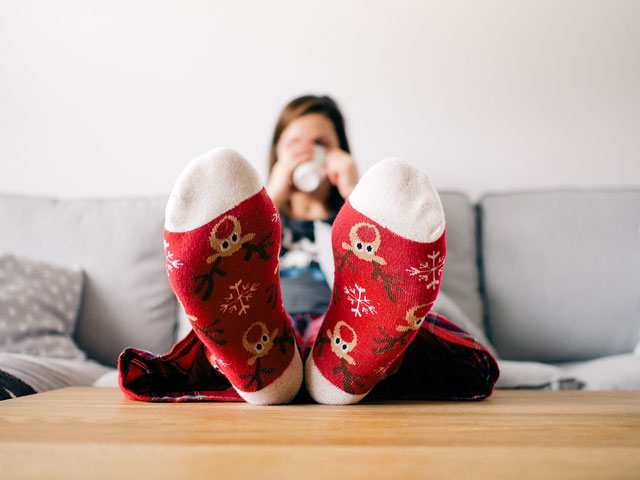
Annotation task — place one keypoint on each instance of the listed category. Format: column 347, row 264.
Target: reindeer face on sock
column 364, row 241
column 258, row 341
column 415, row 317
column 343, row 340
column 226, row 238
column 214, row 362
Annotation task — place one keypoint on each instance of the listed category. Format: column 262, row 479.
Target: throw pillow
column 39, row 305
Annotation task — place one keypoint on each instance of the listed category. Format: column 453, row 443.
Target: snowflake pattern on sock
column 172, row 263
column 429, row 271
column 355, row 296
column 238, row 298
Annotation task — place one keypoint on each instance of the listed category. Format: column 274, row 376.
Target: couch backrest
column 118, row 243
column 561, row 273
column 460, row 280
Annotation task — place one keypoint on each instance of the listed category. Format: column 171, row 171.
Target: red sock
column 389, row 251
column 222, row 239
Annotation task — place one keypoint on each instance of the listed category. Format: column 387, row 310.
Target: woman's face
column 304, row 132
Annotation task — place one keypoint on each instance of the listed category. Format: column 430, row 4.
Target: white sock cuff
column 209, row 186
column 322, row 390
column 401, row 198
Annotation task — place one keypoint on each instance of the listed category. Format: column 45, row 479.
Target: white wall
column 113, row 98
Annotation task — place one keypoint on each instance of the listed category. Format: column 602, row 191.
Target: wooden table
column 89, row 433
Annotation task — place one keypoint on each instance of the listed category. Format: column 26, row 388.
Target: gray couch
column 549, row 281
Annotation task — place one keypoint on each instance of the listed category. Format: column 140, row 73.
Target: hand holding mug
column 342, row 171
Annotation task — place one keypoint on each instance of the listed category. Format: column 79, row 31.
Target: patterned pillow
column 39, row 305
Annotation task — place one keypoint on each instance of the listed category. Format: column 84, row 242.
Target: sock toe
column 209, row 186
column 402, row 198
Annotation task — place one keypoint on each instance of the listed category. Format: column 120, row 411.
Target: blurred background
column 113, row 98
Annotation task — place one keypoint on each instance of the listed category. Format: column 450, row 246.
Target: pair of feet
column 222, row 240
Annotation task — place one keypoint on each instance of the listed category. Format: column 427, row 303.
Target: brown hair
column 303, row 105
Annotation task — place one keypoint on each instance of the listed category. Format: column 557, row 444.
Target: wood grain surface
column 97, row 433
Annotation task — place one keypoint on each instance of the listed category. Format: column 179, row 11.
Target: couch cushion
column 118, row 244
column 562, row 273
column 37, row 374
column 39, row 304
column 460, row 278
column 533, row 375
column 617, row 372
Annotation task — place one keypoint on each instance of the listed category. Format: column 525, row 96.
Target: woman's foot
column 222, row 239
column 389, row 250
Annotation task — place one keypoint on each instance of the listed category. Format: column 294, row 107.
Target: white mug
column 308, row 175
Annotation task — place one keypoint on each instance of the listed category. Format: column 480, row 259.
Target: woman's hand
column 342, row 171
column 280, row 183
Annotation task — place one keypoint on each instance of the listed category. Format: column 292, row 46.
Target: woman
column 305, row 124
column 371, row 333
